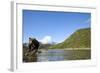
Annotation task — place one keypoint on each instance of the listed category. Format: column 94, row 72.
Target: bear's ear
column 29, row 38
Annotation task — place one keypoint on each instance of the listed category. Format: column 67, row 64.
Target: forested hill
column 81, row 38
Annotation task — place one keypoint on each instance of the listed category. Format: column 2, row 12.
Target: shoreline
column 68, row 49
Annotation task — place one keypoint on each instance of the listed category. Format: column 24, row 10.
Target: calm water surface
column 60, row 55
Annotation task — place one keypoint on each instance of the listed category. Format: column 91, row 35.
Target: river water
column 58, row 55
column 62, row 55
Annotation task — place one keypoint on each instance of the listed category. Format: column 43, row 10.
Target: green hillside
column 79, row 39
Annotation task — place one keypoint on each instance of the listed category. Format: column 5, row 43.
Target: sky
column 52, row 26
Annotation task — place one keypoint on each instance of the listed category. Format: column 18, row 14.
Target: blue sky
column 52, row 26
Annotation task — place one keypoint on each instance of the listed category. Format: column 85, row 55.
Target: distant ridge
column 81, row 38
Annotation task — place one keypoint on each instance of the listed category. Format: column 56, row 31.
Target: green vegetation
column 76, row 47
column 79, row 39
column 44, row 46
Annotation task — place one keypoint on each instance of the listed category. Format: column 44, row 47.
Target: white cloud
column 46, row 40
column 87, row 21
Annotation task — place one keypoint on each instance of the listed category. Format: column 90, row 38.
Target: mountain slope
column 79, row 39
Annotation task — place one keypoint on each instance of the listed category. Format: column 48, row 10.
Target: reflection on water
column 58, row 55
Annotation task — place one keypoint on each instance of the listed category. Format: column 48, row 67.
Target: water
column 58, row 55
column 61, row 55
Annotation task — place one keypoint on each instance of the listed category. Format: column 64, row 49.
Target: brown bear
column 33, row 45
